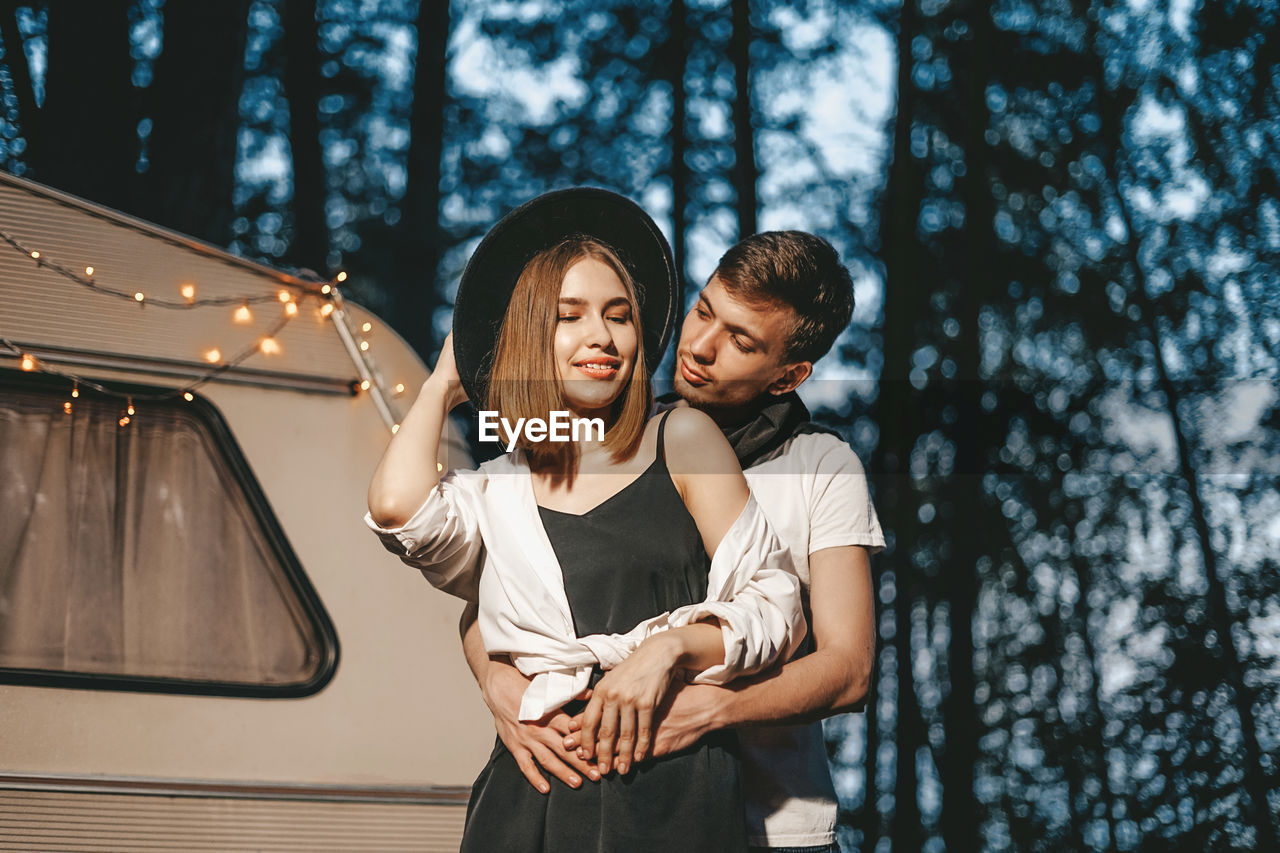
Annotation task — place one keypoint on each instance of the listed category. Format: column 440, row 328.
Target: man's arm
column 533, row 745
column 834, row 678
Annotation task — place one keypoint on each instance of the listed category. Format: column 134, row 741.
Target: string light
column 84, row 276
column 439, row 466
column 399, row 388
column 395, row 428
column 289, row 300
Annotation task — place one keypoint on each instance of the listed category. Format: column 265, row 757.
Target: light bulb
column 366, row 327
column 28, row 362
column 291, row 308
column 342, row 276
column 243, row 314
column 188, row 396
column 188, row 291
column 326, row 309
column 88, row 270
column 138, row 296
column 269, row 346
column 213, row 356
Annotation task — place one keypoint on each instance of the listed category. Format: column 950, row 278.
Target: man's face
column 730, row 352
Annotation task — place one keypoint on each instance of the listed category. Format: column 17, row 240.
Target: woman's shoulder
column 686, row 422
column 693, row 442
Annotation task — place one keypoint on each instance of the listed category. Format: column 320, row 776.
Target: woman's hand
column 619, row 717
column 446, row 375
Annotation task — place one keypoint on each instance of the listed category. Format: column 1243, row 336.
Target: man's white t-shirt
column 814, row 491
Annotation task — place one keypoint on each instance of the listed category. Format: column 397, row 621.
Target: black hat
column 490, row 277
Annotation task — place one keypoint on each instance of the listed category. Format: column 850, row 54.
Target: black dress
column 633, row 556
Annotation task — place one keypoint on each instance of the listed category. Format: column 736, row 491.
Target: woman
column 595, row 551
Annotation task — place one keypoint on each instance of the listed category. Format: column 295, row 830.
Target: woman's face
column 595, row 338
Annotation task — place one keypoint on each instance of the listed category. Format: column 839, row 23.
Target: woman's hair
column 523, row 382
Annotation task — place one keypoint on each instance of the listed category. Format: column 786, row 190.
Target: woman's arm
column 407, row 471
column 764, row 612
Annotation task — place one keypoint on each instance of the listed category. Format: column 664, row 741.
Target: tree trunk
column 417, row 297
column 897, row 415
column 310, row 245
column 195, row 110
column 88, row 124
column 15, row 57
column 1256, row 783
column 676, row 60
column 744, row 164
column 961, row 813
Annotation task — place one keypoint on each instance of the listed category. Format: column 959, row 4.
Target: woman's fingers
column 590, row 721
column 606, row 736
column 625, row 749
column 644, row 732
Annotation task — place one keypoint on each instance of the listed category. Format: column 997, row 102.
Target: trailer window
column 143, row 556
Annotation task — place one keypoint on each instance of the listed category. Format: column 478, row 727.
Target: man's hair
column 523, row 382
column 799, row 270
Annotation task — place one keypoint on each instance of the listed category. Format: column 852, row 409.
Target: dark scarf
column 770, row 427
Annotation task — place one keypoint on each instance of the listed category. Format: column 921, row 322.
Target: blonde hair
column 523, row 382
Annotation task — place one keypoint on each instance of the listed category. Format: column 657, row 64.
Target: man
column 775, row 305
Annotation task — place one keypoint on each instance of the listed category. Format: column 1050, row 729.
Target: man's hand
column 535, row 746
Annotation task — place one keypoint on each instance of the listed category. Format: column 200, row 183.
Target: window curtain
column 133, row 550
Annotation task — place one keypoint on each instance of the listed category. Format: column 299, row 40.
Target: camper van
column 202, row 647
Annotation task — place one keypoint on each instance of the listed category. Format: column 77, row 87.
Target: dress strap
column 662, row 425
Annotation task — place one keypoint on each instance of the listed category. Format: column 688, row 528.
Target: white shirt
column 523, row 611
column 814, row 491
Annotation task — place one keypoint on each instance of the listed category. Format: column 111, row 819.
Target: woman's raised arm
column 407, row 472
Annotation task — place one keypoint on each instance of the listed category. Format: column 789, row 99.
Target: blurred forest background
column 1063, row 219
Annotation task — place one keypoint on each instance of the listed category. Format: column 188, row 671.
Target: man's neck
column 731, row 417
